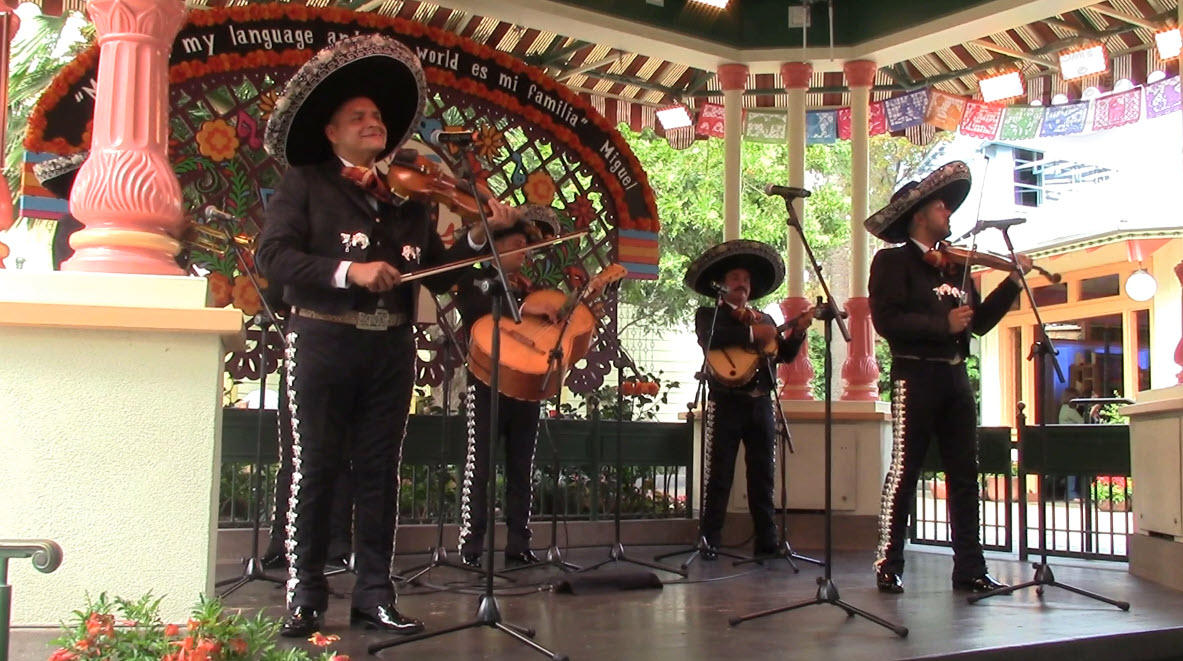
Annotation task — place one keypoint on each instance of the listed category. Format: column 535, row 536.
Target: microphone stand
column 488, row 612
column 439, row 554
column 253, row 566
column 554, row 555
column 827, row 590
column 1040, row 350
column 617, row 553
column 784, row 549
column 704, row 455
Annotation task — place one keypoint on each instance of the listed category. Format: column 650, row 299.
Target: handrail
column 46, row 555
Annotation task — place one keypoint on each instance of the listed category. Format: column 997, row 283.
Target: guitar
column 528, row 371
column 735, row 366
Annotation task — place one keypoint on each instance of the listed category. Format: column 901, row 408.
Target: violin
column 422, row 179
column 948, row 257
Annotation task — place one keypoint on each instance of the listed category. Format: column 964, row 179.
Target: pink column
column 796, row 375
column 126, row 194
column 860, row 371
column 1179, row 275
column 733, row 78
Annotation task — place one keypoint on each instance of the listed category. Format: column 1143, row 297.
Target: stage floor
column 688, row 618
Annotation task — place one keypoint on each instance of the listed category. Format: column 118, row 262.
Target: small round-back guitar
column 536, row 354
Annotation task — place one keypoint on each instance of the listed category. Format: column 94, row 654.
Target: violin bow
column 444, row 268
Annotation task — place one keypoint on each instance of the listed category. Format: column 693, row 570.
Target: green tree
column 688, row 185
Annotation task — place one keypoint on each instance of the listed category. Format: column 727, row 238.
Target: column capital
column 860, row 73
column 796, row 75
column 733, row 77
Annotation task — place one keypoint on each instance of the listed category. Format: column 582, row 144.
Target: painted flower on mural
column 490, row 142
column 3, row 253
column 540, row 188
column 217, row 140
column 245, row 296
column 267, row 104
column 220, row 289
column 581, row 211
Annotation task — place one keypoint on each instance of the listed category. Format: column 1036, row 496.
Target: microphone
column 442, row 137
column 786, row 191
column 214, row 214
column 719, row 289
column 983, row 225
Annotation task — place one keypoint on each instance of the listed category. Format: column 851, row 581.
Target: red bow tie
column 368, row 181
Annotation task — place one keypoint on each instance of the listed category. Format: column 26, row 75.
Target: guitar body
column 735, row 366
column 526, row 347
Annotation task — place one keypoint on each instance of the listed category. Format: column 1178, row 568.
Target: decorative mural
column 539, row 143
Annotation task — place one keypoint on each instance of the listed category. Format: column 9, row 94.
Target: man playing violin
column 517, row 419
column 338, row 243
column 918, row 306
column 734, row 273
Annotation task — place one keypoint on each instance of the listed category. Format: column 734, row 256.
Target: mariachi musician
column 339, row 242
column 736, row 272
column 918, row 306
column 517, row 418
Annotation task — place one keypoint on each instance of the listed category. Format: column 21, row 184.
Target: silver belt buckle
column 379, row 320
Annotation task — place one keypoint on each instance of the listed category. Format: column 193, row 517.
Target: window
column 1050, row 294
column 1028, row 178
column 1100, row 287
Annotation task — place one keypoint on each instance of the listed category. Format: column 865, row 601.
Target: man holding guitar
column 518, row 419
column 742, row 345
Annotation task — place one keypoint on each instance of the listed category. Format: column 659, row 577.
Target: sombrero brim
column 57, row 175
column 371, row 66
column 763, row 263
column 950, row 182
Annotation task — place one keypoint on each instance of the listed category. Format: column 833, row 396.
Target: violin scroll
column 949, row 257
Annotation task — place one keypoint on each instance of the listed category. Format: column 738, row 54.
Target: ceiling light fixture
column 1169, row 42
column 717, row 4
column 1003, row 86
column 674, row 117
column 1084, row 62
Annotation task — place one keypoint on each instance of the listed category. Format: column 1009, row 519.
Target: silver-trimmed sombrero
column 950, row 182
column 535, row 221
column 762, row 261
column 372, row 66
column 57, row 174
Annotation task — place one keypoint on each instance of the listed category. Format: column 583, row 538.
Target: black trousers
column 346, row 384
column 932, row 400
column 341, row 519
column 733, row 418
column 517, row 423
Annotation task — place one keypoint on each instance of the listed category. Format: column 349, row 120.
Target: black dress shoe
column 385, row 617
column 889, row 582
column 472, row 559
column 302, row 622
column 983, row 583
column 710, row 554
column 526, row 557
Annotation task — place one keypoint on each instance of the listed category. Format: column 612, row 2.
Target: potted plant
column 1113, row 494
column 122, row 629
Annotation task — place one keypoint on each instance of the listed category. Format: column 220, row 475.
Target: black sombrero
column 536, row 222
column 950, row 183
column 760, row 259
column 57, row 174
column 372, row 66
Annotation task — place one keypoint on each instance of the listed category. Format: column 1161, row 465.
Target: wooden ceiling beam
column 1003, row 50
column 1105, row 10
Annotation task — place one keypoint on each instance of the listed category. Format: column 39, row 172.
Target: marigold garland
column 86, row 61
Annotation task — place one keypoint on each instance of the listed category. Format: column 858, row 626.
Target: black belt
column 956, row 360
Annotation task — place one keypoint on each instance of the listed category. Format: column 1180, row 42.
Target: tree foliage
column 688, row 185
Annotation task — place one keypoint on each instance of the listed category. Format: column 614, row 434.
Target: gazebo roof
column 633, row 56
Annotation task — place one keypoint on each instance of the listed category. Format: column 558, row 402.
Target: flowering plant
column 111, row 629
column 1115, row 489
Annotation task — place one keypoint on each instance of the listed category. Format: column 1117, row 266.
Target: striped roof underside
column 629, row 87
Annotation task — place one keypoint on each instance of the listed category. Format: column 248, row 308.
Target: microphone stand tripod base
column 1045, row 576
column 827, row 593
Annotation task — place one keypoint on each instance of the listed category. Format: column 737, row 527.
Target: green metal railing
column 656, row 468
column 46, row 555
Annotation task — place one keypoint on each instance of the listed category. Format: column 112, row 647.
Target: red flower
column 245, row 296
column 238, row 645
column 63, row 654
column 171, row 630
column 221, row 293
column 321, row 640
column 581, row 211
